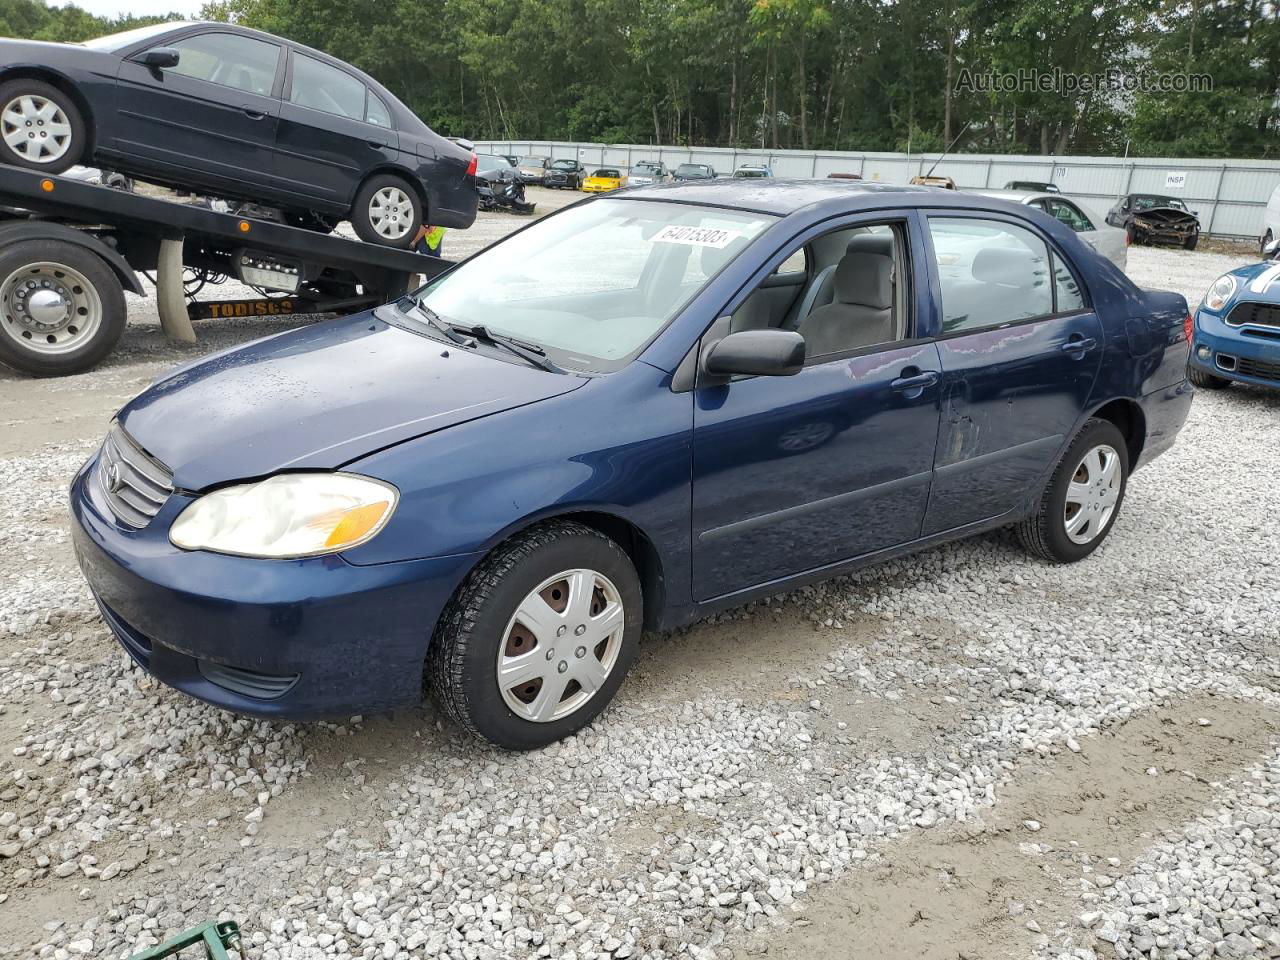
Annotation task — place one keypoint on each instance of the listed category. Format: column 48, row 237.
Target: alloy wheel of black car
column 539, row 637
column 40, row 127
column 1083, row 498
column 387, row 211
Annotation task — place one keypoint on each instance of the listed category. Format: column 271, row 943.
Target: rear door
column 1020, row 349
column 213, row 114
column 333, row 130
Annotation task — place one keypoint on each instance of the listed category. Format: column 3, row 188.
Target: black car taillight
column 473, row 165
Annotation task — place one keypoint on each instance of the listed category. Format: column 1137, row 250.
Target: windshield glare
column 118, row 41
column 532, row 161
column 596, row 282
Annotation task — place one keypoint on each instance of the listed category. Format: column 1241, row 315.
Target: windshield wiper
column 527, row 351
column 407, row 304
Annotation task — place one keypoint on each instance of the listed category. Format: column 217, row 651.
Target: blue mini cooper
column 1237, row 328
column 644, row 408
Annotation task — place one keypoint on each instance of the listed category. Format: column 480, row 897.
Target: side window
column 321, row 87
column 1069, row 214
column 1067, row 293
column 991, row 273
column 242, row 63
column 796, row 263
column 376, row 112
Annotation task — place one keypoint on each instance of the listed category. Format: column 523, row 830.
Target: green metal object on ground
column 216, row 938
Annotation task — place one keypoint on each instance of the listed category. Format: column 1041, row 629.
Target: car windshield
column 118, row 41
column 608, row 174
column 533, row 161
column 485, row 161
column 644, row 169
column 749, row 172
column 595, row 283
column 565, row 164
column 694, row 169
column 1148, row 203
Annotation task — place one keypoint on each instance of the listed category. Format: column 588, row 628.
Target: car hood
column 1258, row 282
column 1169, row 215
column 321, row 396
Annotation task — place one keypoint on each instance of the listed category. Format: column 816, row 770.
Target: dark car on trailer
column 1149, row 218
column 235, row 113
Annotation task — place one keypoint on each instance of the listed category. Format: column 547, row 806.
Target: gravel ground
column 961, row 753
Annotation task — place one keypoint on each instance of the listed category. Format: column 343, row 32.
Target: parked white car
column 1270, row 221
column 1092, row 229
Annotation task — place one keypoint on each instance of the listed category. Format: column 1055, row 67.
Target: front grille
column 248, row 683
column 1259, row 369
column 1255, row 314
column 135, row 485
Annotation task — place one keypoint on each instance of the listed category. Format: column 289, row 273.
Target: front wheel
column 61, row 307
column 539, row 637
column 1083, row 498
column 387, row 211
column 1191, row 242
column 1262, row 245
column 40, row 127
column 1205, row 380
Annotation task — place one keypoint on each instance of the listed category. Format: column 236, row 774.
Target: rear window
column 319, row 86
column 992, row 273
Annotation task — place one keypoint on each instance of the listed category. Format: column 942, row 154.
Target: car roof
column 1017, row 196
column 780, row 196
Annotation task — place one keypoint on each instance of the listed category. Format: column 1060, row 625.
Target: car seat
column 861, row 309
column 822, row 290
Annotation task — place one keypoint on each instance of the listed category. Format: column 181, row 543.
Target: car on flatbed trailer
column 69, row 250
column 235, row 113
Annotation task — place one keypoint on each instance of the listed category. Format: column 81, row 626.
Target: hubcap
column 1092, row 494
column 391, row 213
column 49, row 308
column 35, row 128
column 560, row 645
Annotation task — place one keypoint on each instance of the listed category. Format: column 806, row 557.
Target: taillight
column 471, row 167
column 1187, row 326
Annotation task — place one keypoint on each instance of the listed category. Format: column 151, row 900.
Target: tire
column 482, row 624
column 1204, row 380
column 28, row 105
column 1262, row 245
column 402, row 212
column 1045, row 532
column 1191, row 242
column 69, row 279
column 1131, row 236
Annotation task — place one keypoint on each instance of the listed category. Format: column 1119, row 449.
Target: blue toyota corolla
column 1237, row 329
column 629, row 414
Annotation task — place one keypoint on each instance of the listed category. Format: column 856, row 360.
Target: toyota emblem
column 114, row 480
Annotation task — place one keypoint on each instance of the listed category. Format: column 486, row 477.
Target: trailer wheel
column 387, row 211
column 40, row 128
column 61, row 308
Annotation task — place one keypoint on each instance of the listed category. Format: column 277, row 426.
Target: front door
column 1020, row 350
column 794, row 473
column 213, row 114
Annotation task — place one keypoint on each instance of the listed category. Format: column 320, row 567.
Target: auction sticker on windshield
column 697, row 236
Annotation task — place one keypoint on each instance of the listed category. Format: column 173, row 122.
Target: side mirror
column 159, row 57
column 1271, row 250
column 759, row 353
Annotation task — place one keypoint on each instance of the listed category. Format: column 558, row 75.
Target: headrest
column 865, row 279
column 1011, row 266
column 881, row 243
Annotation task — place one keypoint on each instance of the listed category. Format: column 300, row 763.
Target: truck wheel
column 539, row 637
column 1082, row 499
column 1204, row 380
column 387, row 211
column 61, row 308
column 40, row 128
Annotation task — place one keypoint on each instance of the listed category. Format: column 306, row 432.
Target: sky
column 141, row 8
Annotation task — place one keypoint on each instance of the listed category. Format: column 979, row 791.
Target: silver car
column 1091, row 228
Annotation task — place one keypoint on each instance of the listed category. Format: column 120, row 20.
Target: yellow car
column 604, row 180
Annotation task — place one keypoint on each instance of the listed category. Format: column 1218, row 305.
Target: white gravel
column 750, row 762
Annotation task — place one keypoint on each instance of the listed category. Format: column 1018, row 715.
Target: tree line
column 810, row 74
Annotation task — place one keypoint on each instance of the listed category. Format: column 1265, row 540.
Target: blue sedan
column 640, row 410
column 1237, row 329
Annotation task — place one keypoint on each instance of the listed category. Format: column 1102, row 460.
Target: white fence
column 1228, row 195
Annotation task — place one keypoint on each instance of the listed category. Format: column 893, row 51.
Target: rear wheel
column 40, row 127
column 539, row 637
column 1205, row 380
column 61, row 308
column 387, row 211
column 1083, row 498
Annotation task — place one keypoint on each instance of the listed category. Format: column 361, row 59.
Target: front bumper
column 1243, row 354
column 294, row 639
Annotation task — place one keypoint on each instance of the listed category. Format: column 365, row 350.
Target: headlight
column 1220, row 292
column 289, row 515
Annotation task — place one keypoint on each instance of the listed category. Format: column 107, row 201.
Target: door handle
column 914, row 384
column 253, row 114
column 1079, row 344
column 377, row 144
